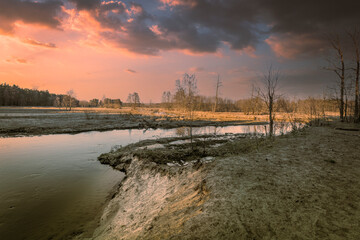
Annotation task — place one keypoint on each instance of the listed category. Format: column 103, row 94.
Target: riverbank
column 304, row 185
column 29, row 121
column 35, row 121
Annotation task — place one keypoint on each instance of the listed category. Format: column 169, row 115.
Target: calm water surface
column 51, row 187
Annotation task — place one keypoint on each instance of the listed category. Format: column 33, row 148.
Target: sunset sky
column 111, row 48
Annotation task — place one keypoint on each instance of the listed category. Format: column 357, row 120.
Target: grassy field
column 202, row 115
column 25, row 121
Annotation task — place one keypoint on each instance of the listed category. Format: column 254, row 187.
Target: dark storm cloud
column 309, row 16
column 111, row 14
column 300, row 27
column 292, row 28
column 132, row 28
column 139, row 39
column 43, row 13
column 86, row 4
column 296, row 26
column 208, row 23
column 197, row 26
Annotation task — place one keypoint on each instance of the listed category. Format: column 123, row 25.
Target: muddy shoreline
column 303, row 185
column 30, row 122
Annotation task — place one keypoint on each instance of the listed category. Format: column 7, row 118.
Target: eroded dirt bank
column 300, row 186
column 153, row 202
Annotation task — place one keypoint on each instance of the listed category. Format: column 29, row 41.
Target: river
column 53, row 187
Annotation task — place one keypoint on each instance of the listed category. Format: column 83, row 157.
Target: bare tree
column 218, row 85
column 338, row 66
column 186, row 90
column 268, row 93
column 255, row 101
column 166, row 99
column 134, row 99
column 355, row 37
column 58, row 101
column 70, row 95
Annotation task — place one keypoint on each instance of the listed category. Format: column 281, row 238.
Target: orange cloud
column 17, row 60
column 250, row 51
column 196, row 69
column 155, row 29
column 37, row 43
column 174, row 3
column 134, row 10
column 291, row 46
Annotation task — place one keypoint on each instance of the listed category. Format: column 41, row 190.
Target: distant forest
column 16, row 96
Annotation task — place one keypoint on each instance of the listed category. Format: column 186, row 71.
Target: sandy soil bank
column 300, row 186
column 153, row 202
column 41, row 121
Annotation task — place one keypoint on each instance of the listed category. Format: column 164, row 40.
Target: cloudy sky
column 110, row 48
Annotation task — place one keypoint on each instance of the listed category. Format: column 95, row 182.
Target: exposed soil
column 304, row 185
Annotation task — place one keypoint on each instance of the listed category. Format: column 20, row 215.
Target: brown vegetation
column 298, row 186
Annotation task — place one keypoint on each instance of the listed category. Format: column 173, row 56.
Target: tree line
column 181, row 99
column 105, row 102
column 185, row 97
column 16, row 96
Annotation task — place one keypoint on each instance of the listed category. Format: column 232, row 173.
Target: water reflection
column 51, row 185
column 279, row 129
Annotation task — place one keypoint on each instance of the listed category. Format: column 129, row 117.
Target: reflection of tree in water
column 216, row 130
column 185, row 131
column 257, row 130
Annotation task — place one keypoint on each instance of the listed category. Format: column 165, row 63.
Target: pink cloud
column 174, row 3
column 38, row 43
column 155, row 29
column 196, row 69
column 134, row 10
column 291, row 46
column 250, row 51
column 17, row 60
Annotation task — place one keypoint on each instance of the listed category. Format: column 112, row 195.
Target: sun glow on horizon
column 119, row 47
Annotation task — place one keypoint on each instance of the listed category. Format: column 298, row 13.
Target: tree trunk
column 355, row 37
column 356, row 110
column 218, row 84
column 190, row 131
column 346, row 108
column 271, row 120
column 339, row 70
column 342, row 87
column 357, row 116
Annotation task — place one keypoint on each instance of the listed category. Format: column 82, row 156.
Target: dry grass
column 178, row 114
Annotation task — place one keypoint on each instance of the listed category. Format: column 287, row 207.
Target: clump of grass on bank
column 204, row 146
